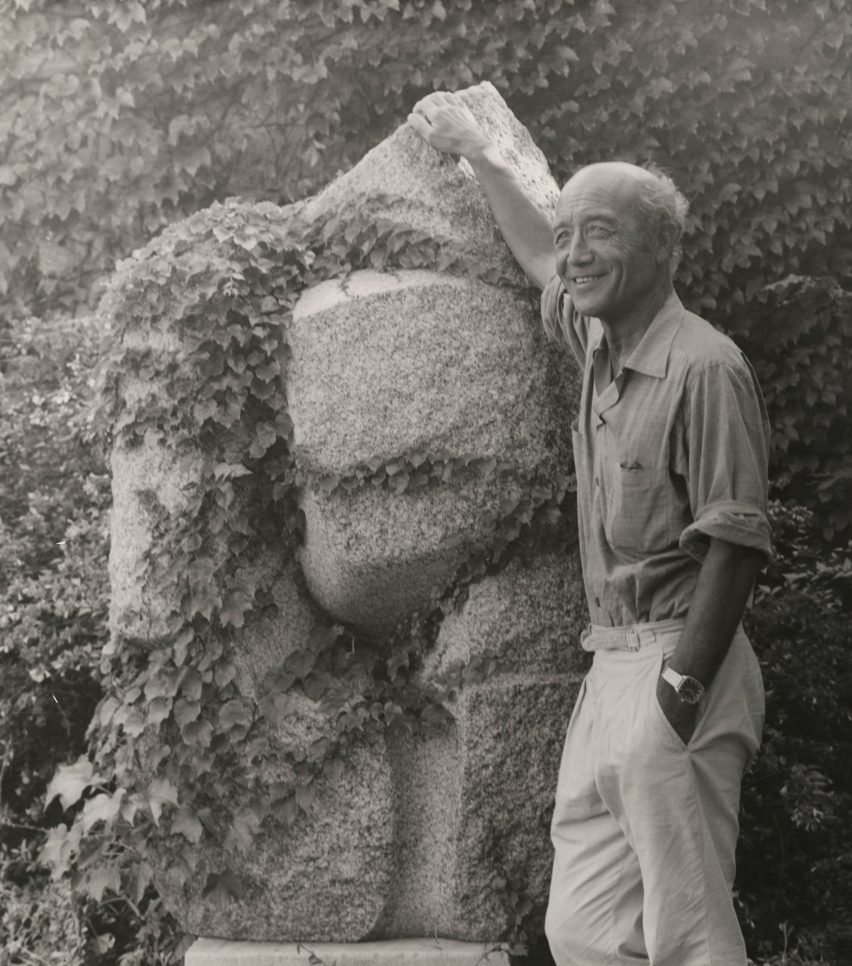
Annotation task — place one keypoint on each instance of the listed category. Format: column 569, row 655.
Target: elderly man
column 670, row 447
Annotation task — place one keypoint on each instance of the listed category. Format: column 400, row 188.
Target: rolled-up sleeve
column 725, row 448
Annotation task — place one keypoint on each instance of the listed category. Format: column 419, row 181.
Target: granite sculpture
column 419, row 835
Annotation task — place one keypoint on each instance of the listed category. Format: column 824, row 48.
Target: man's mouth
column 586, row 279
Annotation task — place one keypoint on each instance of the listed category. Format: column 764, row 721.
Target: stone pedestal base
column 396, row 952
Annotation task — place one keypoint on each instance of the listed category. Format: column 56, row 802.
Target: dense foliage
column 795, row 852
column 801, row 343
column 117, row 117
column 54, row 490
column 54, row 494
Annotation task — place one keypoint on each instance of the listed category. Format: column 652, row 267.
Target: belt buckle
column 633, row 642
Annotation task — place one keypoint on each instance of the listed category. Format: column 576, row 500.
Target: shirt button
column 597, row 481
column 597, row 602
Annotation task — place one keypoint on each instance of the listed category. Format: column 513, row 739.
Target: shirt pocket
column 636, row 517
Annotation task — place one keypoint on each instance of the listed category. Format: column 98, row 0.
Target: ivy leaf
column 187, row 824
column 163, row 684
column 321, row 638
column 191, row 686
column 328, row 484
column 487, row 468
column 134, row 723
column 225, row 673
column 60, row 846
column 301, row 663
column 101, row 808
column 265, row 435
column 101, row 879
column 286, row 811
column 241, row 835
column 398, row 483
column 131, row 805
column 160, row 792
column 234, row 610
column 333, row 769
column 222, row 886
column 305, row 797
column 234, row 712
column 398, row 660
column 144, row 877
column 186, row 712
column 70, row 781
column 198, row 733
column 157, row 711
column 181, row 645
column 204, row 410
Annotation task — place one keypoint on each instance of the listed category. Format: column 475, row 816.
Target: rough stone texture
column 405, row 180
column 399, row 952
column 383, row 365
column 531, row 616
column 410, row 838
column 325, row 880
column 477, row 802
column 371, row 558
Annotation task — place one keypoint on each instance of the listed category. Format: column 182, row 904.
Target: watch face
column 690, row 690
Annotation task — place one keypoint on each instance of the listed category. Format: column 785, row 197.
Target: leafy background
column 118, row 118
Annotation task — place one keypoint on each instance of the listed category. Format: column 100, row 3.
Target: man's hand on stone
column 681, row 716
column 445, row 123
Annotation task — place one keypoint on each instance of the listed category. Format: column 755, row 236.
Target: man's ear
column 667, row 238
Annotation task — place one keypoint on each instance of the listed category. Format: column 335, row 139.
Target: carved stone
column 415, row 835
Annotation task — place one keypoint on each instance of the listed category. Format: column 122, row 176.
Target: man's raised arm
column 447, row 125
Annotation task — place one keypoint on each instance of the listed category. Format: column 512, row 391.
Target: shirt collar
column 651, row 356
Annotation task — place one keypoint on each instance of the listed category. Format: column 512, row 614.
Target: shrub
column 39, row 922
column 795, row 856
column 54, row 493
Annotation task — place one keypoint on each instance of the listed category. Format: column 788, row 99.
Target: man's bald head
column 618, row 171
column 648, row 190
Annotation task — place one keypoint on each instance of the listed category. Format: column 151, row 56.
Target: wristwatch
column 689, row 690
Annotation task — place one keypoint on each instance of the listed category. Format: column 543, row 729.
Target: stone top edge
column 393, row 952
column 367, row 282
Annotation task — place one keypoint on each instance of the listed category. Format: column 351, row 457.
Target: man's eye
column 598, row 231
column 562, row 237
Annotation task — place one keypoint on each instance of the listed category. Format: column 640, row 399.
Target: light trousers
column 645, row 826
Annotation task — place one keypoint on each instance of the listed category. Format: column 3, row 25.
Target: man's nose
column 578, row 250
column 573, row 252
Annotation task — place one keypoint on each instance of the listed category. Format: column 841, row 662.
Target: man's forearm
column 724, row 583
column 443, row 121
column 525, row 227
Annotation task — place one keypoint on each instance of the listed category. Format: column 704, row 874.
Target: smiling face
column 611, row 264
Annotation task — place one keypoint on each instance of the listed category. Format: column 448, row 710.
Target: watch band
column 690, row 690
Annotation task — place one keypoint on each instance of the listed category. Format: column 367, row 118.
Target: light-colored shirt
column 671, row 452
